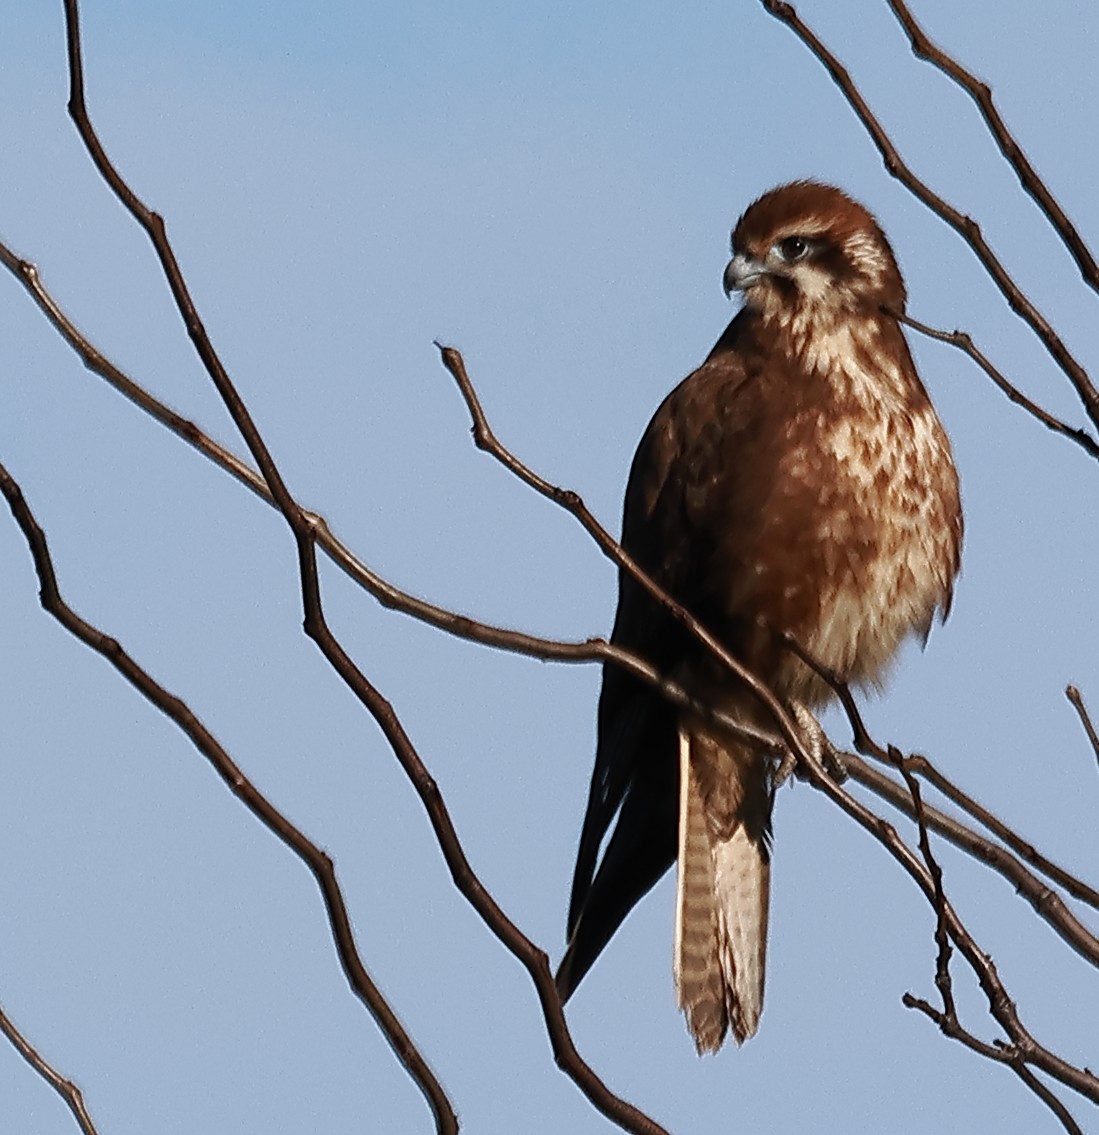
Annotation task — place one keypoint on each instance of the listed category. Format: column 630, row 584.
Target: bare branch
column 981, row 93
column 66, row 1089
column 316, row 627
column 942, row 938
column 1000, row 1053
column 1077, row 699
column 1048, row 1098
column 1000, row 1004
column 571, row 502
column 321, row 866
column 942, row 964
column 922, row 766
column 1025, row 850
column 951, row 1027
column 1047, row 904
column 965, row 226
column 964, row 342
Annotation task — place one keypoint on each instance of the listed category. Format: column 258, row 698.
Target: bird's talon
column 787, row 765
column 833, row 763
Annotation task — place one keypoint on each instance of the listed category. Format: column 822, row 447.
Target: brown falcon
column 799, row 481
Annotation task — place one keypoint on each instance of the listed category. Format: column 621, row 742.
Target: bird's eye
column 792, row 248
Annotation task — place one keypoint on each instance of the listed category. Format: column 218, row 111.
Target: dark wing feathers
column 636, row 769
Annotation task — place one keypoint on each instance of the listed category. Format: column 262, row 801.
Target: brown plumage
column 799, row 481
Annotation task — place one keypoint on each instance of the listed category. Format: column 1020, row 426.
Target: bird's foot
column 786, row 765
column 820, row 748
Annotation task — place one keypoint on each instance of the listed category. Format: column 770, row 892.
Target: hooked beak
column 742, row 272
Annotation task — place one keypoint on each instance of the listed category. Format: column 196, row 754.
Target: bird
column 797, row 485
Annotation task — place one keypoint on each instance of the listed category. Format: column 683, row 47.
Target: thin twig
column 951, row 1027
column 1077, row 699
column 964, row 342
column 981, row 93
column 942, row 937
column 312, row 856
column 1025, row 850
column 1000, row 1053
column 485, row 439
column 66, row 1089
column 1001, row 1007
column 965, row 226
column 1047, row 1097
column 1046, row 903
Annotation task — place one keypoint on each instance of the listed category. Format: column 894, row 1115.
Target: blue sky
column 549, row 188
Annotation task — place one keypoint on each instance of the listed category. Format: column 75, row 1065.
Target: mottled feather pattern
column 798, row 482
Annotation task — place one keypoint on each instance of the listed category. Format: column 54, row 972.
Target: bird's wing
column 636, row 777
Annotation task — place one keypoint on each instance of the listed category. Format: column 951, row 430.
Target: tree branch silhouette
column 316, row 627
column 1012, row 151
column 66, row 1089
column 964, row 342
column 1077, row 700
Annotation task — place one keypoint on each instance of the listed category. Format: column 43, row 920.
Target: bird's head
column 806, row 251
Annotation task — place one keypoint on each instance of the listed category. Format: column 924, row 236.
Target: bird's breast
column 858, row 539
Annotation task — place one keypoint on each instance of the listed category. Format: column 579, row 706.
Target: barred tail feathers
column 721, row 901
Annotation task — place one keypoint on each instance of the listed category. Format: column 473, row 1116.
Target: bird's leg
column 816, row 741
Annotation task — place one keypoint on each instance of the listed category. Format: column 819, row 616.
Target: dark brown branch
column 942, row 937
column 321, row 866
column 1047, row 1097
column 1077, row 699
column 981, row 93
column 153, row 225
column 943, row 950
column 1000, row 1053
column 66, row 1089
column 1026, row 851
column 1047, row 904
column 965, row 226
column 923, row 767
column 964, row 342
column 1001, row 1007
column 952, row 1028
column 316, row 627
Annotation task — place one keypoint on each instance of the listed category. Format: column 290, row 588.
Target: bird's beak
column 742, row 272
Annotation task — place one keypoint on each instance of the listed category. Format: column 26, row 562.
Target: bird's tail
column 723, row 889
